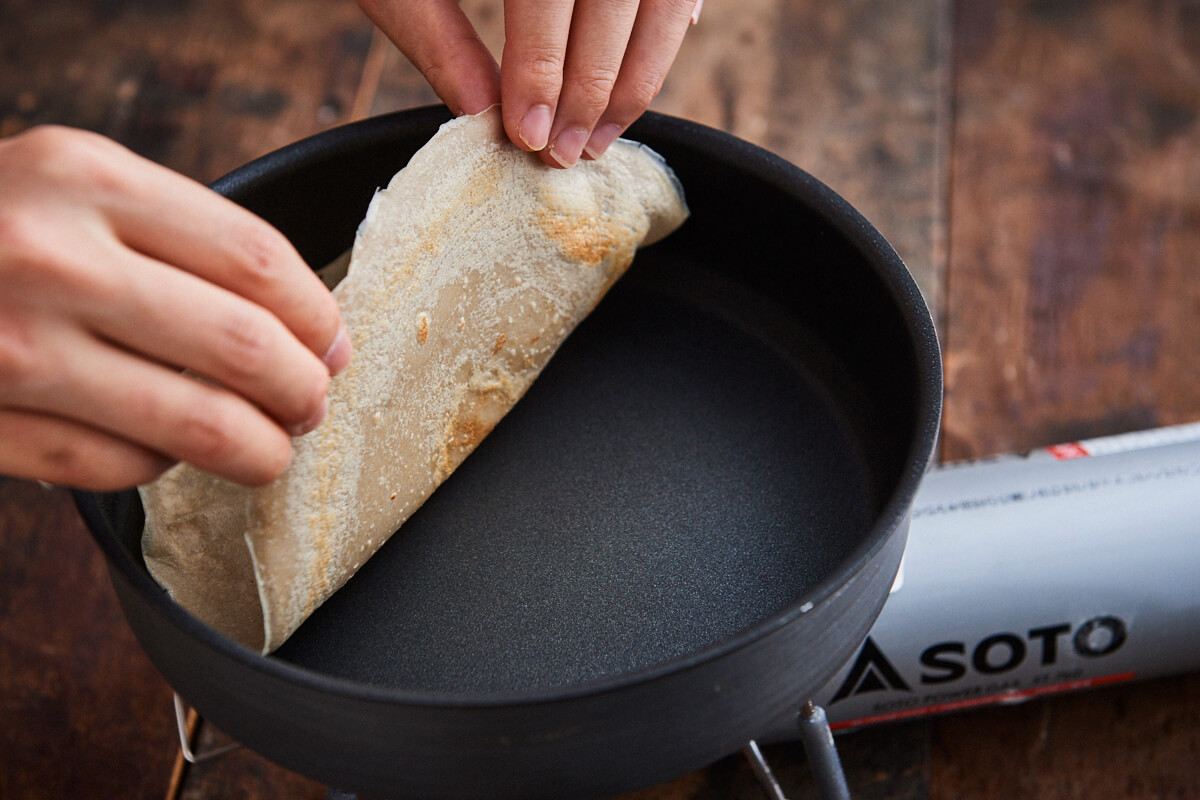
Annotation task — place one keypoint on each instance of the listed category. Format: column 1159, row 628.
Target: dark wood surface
column 1036, row 162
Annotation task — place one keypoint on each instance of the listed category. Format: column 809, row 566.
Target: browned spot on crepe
column 581, row 237
column 422, row 328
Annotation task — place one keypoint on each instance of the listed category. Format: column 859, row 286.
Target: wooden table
column 1036, row 162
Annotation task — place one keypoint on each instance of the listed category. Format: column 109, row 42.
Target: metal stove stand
column 812, row 724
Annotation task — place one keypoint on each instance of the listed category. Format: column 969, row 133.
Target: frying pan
column 684, row 529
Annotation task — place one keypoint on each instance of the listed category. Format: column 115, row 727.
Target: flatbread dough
column 468, row 272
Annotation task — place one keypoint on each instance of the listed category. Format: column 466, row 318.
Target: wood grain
column 860, row 98
column 1074, row 302
column 1130, row 743
column 82, row 711
column 1036, row 163
column 201, row 86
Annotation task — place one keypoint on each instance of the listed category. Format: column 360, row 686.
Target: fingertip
column 533, row 130
column 120, row 471
column 151, row 468
column 340, row 352
column 269, row 470
column 601, row 139
column 568, row 146
column 312, row 422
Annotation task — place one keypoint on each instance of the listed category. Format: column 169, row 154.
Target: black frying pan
column 684, row 529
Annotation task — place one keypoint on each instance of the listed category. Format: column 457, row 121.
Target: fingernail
column 568, row 146
column 534, row 130
column 601, row 139
column 312, row 422
column 696, row 11
column 337, row 357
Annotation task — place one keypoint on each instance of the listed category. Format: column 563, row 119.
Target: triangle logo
column 872, row 672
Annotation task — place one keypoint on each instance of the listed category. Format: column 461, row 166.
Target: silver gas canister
column 1071, row 567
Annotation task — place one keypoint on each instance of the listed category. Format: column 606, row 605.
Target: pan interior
column 683, row 469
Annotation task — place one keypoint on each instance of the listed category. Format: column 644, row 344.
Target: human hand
column 117, row 274
column 574, row 73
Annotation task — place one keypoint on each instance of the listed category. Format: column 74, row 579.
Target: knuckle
column 595, row 89
column 260, row 252
column 543, row 64
column 88, row 158
column 58, row 155
column 437, row 73
column 636, row 96
column 251, row 347
column 23, row 240
column 37, row 266
column 442, row 68
column 246, row 340
column 98, row 467
column 20, row 370
column 36, row 261
column 213, row 436
column 64, row 462
column 46, row 142
column 82, row 457
column 208, row 431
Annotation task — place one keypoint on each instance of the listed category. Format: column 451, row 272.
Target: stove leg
column 762, row 771
column 186, row 721
column 822, row 753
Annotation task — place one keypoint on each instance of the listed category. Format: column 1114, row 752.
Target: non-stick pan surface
column 701, row 502
column 674, row 477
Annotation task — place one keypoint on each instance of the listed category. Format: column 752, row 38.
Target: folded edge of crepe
column 468, row 271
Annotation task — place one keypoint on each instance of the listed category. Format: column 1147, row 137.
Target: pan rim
column 758, row 164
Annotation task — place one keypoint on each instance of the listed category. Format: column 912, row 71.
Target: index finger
column 437, row 37
column 178, row 221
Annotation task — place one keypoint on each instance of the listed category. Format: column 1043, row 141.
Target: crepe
column 466, row 275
